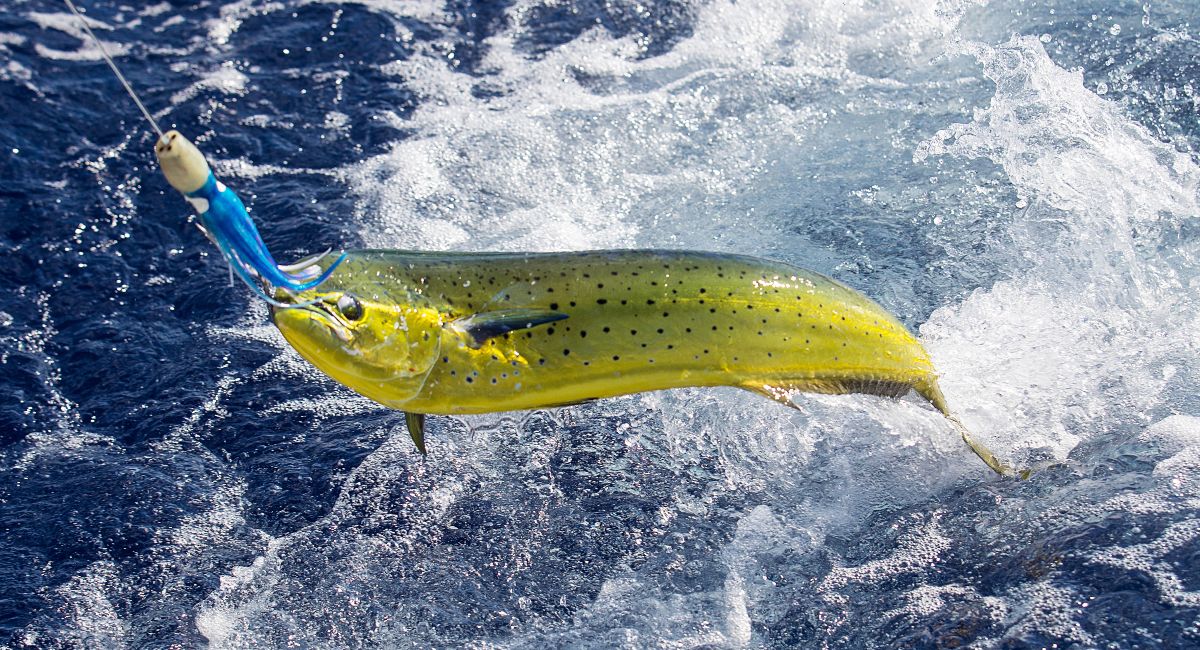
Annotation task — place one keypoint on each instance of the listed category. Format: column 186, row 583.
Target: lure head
column 181, row 162
column 380, row 347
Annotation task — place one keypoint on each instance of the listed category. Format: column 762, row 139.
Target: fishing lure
column 450, row 333
column 223, row 216
column 225, row 221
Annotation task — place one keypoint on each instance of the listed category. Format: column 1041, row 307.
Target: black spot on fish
column 616, row 357
column 601, row 301
column 554, row 306
column 566, row 352
column 606, row 330
column 583, row 334
column 550, row 331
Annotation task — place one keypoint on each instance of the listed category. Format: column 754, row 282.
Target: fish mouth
column 321, row 313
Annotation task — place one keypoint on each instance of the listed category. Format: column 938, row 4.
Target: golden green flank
column 447, row 333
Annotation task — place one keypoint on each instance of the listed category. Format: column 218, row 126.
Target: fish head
column 181, row 162
column 379, row 346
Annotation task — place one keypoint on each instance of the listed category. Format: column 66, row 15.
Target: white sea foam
column 1033, row 360
column 1080, row 331
column 68, row 23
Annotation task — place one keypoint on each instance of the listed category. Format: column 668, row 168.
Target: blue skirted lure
column 224, row 219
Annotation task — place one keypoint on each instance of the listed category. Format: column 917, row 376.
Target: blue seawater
column 1018, row 180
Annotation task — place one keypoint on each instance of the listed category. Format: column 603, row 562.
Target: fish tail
column 932, row 392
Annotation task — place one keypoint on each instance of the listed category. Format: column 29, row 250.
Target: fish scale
column 458, row 333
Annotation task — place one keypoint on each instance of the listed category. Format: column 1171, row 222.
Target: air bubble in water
column 1115, row 29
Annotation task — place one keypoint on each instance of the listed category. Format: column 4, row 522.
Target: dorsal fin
column 489, row 324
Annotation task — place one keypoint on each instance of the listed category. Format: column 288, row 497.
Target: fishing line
column 115, row 69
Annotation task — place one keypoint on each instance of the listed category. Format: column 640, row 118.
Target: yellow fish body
column 455, row 333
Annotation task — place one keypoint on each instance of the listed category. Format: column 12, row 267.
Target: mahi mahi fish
column 457, row 333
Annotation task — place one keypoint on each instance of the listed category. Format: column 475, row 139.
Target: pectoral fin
column 481, row 327
column 416, row 429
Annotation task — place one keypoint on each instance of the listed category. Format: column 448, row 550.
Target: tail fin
column 930, row 391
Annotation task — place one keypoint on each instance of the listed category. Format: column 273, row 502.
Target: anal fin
column 416, row 429
column 783, row 391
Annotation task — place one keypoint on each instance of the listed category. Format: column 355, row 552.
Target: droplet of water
column 1101, row 88
column 1115, row 29
column 1045, row 38
column 6, row 319
column 1169, row 93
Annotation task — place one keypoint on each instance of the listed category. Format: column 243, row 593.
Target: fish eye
column 350, row 307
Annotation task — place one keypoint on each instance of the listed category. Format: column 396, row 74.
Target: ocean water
column 1017, row 180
